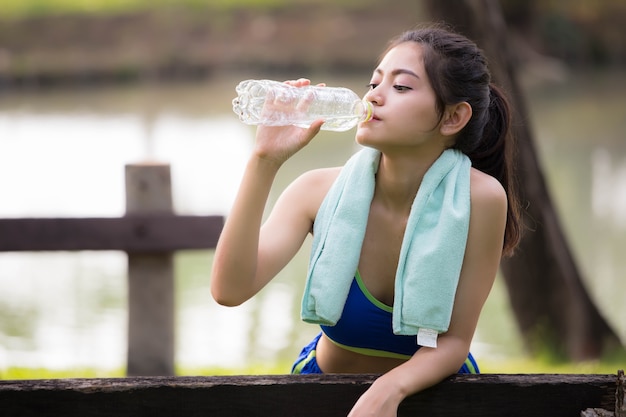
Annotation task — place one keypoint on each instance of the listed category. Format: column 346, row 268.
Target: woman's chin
column 364, row 138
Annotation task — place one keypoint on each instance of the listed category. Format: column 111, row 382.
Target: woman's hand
column 279, row 143
column 380, row 400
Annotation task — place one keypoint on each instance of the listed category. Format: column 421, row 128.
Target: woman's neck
column 399, row 177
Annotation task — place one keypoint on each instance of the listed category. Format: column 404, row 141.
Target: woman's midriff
column 335, row 359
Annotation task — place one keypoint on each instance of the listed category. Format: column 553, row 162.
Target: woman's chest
column 379, row 256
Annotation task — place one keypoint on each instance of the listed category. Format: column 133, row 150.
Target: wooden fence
column 150, row 233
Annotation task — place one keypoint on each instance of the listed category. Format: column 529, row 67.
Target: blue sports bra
column 365, row 326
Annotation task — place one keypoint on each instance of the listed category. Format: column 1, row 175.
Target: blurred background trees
column 60, row 41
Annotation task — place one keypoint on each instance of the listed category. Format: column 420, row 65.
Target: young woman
column 432, row 100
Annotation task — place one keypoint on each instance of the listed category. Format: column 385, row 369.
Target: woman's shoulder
column 317, row 179
column 486, row 190
column 310, row 188
column 488, row 201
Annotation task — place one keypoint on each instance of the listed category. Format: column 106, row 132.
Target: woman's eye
column 402, row 87
column 371, row 86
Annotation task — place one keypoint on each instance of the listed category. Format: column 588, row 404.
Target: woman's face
column 403, row 100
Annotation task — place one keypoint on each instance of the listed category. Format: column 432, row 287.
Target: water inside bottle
column 277, row 104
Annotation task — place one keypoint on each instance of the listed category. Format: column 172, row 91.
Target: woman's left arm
column 430, row 366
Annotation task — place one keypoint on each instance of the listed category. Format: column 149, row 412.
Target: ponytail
column 494, row 156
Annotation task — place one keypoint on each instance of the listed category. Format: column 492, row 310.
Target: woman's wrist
column 265, row 163
column 393, row 387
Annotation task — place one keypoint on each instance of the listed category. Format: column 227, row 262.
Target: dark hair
column 458, row 72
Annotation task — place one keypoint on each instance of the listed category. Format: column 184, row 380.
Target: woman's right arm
column 234, row 265
column 247, row 255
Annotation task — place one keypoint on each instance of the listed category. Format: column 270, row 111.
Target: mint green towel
column 432, row 249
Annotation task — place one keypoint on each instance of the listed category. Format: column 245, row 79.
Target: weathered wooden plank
column 483, row 395
column 152, row 232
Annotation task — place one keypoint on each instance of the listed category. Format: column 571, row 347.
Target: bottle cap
column 369, row 111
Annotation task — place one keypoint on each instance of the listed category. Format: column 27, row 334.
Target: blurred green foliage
column 38, row 8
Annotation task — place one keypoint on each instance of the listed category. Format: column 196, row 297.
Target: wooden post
column 150, row 278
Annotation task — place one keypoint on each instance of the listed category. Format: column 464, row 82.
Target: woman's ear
column 455, row 118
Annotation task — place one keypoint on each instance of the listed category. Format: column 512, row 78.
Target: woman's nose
column 374, row 96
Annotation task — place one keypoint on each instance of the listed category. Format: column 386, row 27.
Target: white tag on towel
column 427, row 337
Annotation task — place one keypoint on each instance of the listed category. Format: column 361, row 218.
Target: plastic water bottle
column 273, row 103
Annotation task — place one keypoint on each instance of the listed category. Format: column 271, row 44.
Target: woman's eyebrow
column 398, row 71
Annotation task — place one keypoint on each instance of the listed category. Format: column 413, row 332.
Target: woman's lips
column 374, row 117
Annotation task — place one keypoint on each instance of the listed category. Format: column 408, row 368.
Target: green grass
column 534, row 366
column 13, row 373
column 607, row 366
column 43, row 373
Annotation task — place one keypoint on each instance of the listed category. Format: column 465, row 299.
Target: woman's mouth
column 374, row 117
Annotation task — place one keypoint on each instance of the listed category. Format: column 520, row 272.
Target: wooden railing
column 312, row 396
column 150, row 233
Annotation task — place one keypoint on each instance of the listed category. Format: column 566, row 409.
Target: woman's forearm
column 430, row 366
column 426, row 368
column 235, row 261
column 235, row 275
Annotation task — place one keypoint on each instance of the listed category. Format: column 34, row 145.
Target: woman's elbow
column 222, row 297
column 219, row 284
column 231, row 286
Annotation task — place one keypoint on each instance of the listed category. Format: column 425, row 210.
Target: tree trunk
column 550, row 303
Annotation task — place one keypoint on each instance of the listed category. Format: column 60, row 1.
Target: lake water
column 62, row 154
